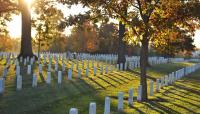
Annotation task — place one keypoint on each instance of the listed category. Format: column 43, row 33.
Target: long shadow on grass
column 177, row 90
column 185, row 101
column 110, row 77
column 107, row 82
column 139, row 74
column 119, row 78
column 164, row 108
column 93, row 80
column 187, row 88
column 42, row 77
column 118, row 73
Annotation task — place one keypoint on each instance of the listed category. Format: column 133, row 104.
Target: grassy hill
column 182, row 97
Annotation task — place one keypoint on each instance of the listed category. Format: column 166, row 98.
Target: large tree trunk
column 26, row 44
column 143, row 68
column 122, row 45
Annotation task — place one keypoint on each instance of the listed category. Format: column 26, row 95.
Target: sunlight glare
column 29, row 2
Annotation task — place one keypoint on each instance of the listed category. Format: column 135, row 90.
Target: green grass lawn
column 156, row 71
column 183, row 97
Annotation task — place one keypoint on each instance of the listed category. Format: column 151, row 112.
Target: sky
column 14, row 26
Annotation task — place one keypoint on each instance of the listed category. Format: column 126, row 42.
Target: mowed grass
column 156, row 71
column 78, row 93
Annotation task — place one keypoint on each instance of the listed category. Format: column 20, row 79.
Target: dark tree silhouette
column 26, row 44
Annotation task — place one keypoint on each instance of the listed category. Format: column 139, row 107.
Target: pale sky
column 14, row 26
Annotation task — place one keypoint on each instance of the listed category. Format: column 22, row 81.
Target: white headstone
column 121, row 66
column 27, row 59
column 95, row 71
column 34, row 83
column 92, row 109
column 106, row 69
column 77, row 65
column 151, row 88
column 79, row 73
column 48, row 80
column 157, row 85
column 73, row 111
column 40, row 68
column 69, row 74
column 32, row 61
column 56, row 66
column 162, row 82
column 5, row 72
column 45, row 61
column 120, row 101
column 87, row 72
column 21, row 59
column 29, row 69
column 101, row 70
column 111, row 70
column 166, row 80
column 130, row 97
column 107, row 106
column 1, row 85
column 139, row 97
column 88, row 65
column 126, row 66
column 59, row 77
column 24, row 62
column 19, row 82
column 117, row 66
column 49, row 67
column 63, row 67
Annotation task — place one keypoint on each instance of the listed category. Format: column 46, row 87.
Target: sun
column 29, row 2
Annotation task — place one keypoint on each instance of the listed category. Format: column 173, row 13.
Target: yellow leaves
column 8, row 44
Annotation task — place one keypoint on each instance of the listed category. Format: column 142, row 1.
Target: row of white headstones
column 132, row 61
column 48, row 77
column 130, row 65
column 165, row 81
column 70, row 71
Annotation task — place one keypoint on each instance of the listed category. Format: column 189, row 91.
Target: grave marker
column 95, row 71
column 151, row 88
column 139, row 97
column 59, row 77
column 73, row 111
column 19, row 82
column 1, row 85
column 107, row 106
column 34, row 83
column 120, row 101
column 130, row 98
column 92, row 109
column 48, row 80
column 29, row 69
column 69, row 74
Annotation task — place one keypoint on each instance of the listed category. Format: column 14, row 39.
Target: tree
column 145, row 18
column 6, row 9
column 173, row 42
column 47, row 24
column 98, row 16
column 84, row 38
column 7, row 6
column 26, row 42
column 108, row 36
column 8, row 44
